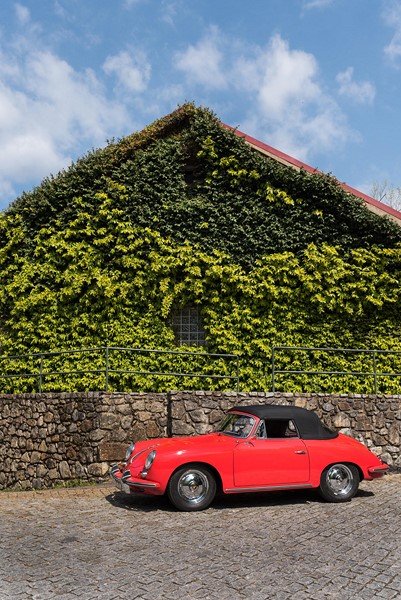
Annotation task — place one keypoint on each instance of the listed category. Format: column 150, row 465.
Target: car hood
column 185, row 443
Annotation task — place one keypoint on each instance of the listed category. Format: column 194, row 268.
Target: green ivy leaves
column 102, row 281
column 186, row 213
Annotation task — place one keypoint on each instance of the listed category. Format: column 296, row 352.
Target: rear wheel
column 192, row 487
column 339, row 482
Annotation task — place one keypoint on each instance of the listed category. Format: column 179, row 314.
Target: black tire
column 192, row 487
column 339, row 482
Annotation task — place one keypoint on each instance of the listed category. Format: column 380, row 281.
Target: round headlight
column 130, row 449
column 149, row 460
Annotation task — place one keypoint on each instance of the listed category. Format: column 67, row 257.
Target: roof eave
column 371, row 203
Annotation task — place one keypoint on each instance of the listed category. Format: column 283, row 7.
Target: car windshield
column 237, row 425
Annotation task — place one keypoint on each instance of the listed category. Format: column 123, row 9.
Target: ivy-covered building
column 190, row 235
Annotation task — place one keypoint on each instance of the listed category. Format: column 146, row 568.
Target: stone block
column 119, row 435
column 86, row 426
column 394, row 435
column 179, row 428
column 98, row 469
column 126, row 422
column 41, row 470
column 96, row 435
column 112, row 451
column 152, row 430
column 215, row 416
column 202, row 428
column 65, row 471
column 190, row 405
column 108, row 421
column 53, row 474
column 209, row 403
column 138, row 432
column 362, row 423
column 341, row 420
column 71, row 453
column 36, row 457
column 48, row 418
column 79, row 471
column 126, row 409
column 387, row 458
column 198, row 416
column 178, row 410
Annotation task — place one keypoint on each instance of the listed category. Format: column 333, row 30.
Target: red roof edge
column 281, row 156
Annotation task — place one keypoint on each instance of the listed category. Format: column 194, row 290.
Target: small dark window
column 188, row 327
column 280, row 428
column 189, row 174
column 192, row 172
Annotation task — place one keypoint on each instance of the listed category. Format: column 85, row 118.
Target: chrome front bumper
column 118, row 482
column 127, row 484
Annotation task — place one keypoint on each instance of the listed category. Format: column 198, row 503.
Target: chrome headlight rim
column 129, row 451
column 149, row 460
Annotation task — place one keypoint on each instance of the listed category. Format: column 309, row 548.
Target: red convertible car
column 256, row 449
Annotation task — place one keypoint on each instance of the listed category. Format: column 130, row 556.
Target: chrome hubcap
column 339, row 478
column 193, row 486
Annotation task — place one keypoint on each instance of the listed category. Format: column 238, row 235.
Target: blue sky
column 317, row 79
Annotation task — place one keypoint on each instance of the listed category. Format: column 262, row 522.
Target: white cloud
column 289, row 106
column 362, row 92
column 131, row 70
column 130, row 3
column 23, row 14
column 170, row 9
column 282, row 79
column 49, row 112
column 392, row 18
column 202, row 63
column 72, row 103
column 308, row 4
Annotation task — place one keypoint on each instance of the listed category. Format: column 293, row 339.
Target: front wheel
column 192, row 487
column 339, row 482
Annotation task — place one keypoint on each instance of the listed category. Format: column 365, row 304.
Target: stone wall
column 47, row 439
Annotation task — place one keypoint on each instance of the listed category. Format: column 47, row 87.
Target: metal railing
column 372, row 373
column 104, row 365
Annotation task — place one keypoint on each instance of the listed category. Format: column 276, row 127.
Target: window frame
column 187, row 324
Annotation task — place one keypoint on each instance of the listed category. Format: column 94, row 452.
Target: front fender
column 165, row 464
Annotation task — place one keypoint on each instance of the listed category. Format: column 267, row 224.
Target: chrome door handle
column 300, row 452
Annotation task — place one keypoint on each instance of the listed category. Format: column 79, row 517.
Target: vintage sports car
column 255, row 449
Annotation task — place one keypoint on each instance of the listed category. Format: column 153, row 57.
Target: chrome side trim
column 267, row 488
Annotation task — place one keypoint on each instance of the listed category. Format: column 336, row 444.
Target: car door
column 263, row 461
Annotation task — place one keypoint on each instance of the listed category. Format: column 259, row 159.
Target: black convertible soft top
column 308, row 423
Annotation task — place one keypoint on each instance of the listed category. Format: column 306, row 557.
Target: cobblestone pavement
column 96, row 543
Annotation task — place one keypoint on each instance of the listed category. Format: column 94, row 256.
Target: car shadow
column 143, row 503
column 139, row 502
column 364, row 494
